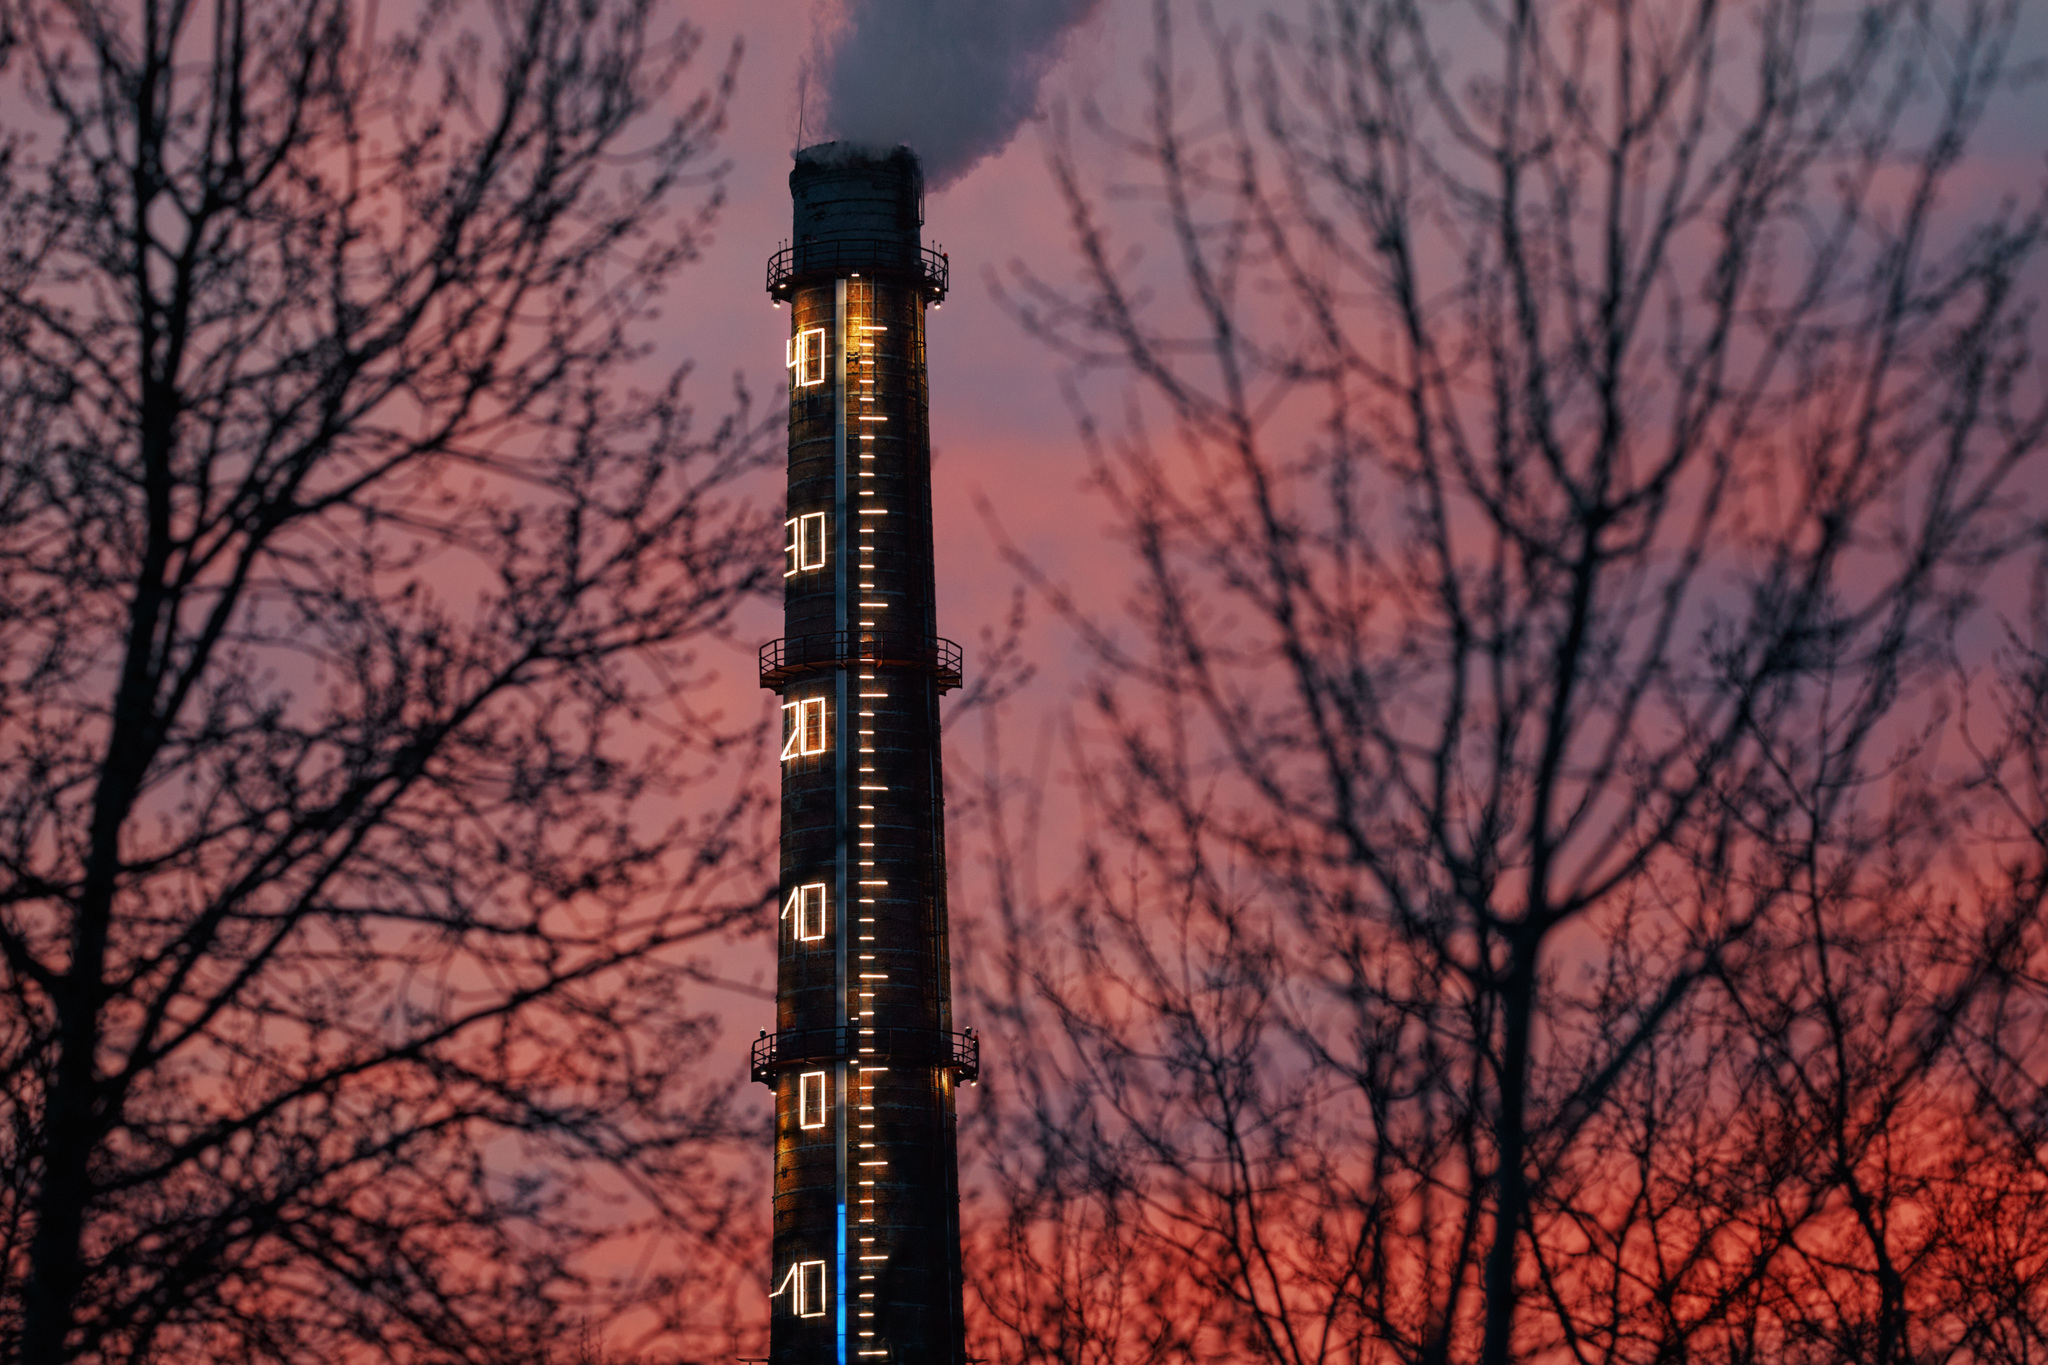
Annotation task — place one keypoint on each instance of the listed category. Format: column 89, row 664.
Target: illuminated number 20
column 806, row 547
column 803, row 727
column 805, row 354
column 805, row 911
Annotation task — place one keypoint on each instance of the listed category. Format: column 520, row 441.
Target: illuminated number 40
column 805, row 354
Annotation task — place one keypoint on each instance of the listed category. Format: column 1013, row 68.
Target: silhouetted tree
column 356, row 821
column 1563, row 835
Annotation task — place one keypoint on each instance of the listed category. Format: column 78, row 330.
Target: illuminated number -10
column 805, row 911
column 803, row 727
column 805, row 354
column 810, row 1100
column 806, row 547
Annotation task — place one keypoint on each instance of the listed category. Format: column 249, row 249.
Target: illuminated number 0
column 810, row 1289
column 803, row 727
column 810, row 1100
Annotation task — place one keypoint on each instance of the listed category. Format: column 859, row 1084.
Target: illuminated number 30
column 806, row 547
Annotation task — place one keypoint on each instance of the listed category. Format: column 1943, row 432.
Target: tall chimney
column 864, row 1058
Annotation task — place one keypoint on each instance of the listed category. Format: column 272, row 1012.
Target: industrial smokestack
column 864, row 1058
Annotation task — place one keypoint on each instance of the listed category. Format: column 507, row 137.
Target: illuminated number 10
column 805, row 910
column 806, row 548
column 803, row 727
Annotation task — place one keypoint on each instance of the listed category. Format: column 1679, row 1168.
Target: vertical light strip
column 842, row 753
column 863, row 732
column 870, row 1163
column 840, row 530
column 873, row 1163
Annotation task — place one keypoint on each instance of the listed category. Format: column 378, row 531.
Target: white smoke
column 951, row 79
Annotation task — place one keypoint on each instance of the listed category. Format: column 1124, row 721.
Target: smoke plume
column 951, row 79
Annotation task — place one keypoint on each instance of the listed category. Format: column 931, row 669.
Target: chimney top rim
column 849, row 153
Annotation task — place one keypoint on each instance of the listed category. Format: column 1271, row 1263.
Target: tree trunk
column 71, row 1119
column 54, row 1264
column 1518, row 997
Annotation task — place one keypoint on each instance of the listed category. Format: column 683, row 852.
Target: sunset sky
column 1002, row 429
column 1569, row 612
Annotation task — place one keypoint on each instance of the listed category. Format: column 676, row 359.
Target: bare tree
column 359, row 835
column 1562, row 870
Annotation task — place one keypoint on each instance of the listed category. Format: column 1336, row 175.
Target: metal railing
column 837, row 256
column 774, row 1052
column 795, row 655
